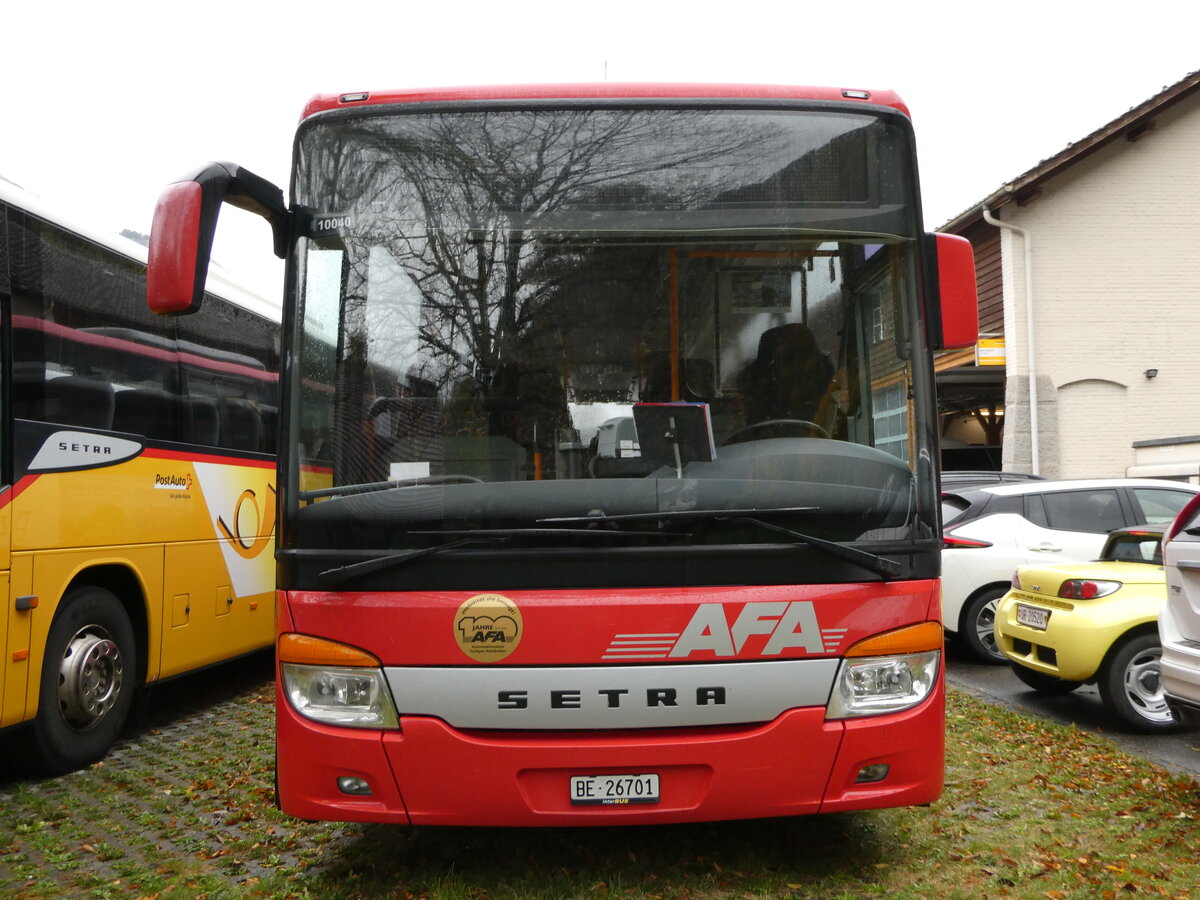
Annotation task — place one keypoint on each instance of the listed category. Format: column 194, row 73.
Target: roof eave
column 1132, row 125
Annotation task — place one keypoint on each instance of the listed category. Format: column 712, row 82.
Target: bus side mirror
column 185, row 222
column 957, row 291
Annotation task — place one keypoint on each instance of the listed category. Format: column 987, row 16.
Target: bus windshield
column 555, row 325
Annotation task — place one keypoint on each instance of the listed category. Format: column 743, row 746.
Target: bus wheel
column 89, row 675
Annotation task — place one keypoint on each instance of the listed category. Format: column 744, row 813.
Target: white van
column 1179, row 621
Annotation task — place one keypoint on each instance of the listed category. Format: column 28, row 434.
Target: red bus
column 607, row 483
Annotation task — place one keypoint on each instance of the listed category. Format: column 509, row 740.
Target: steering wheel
column 777, row 428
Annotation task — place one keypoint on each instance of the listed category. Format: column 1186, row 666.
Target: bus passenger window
column 204, row 422
column 74, row 400
column 241, row 425
column 147, row 411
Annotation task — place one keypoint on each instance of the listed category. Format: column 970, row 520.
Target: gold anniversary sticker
column 488, row 627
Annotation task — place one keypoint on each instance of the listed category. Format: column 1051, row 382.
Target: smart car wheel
column 1041, row 682
column 979, row 624
column 1131, row 687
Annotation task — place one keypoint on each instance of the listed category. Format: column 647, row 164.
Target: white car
column 1179, row 619
column 989, row 531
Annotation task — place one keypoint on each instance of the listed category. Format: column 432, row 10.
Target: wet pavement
column 1082, row 708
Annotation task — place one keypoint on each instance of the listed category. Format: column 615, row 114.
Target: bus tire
column 89, row 677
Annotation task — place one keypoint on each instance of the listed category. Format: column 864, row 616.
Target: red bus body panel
column 428, row 772
column 604, row 91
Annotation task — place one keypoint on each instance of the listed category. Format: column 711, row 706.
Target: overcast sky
column 105, row 103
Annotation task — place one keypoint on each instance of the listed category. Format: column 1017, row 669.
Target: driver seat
column 788, row 378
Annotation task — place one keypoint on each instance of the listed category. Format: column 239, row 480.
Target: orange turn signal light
column 910, row 639
column 307, row 650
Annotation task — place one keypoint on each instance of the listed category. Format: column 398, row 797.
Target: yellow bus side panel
column 6, row 497
column 53, row 572
column 206, row 619
column 198, row 535
column 147, row 499
column 10, row 669
column 20, row 643
column 10, row 624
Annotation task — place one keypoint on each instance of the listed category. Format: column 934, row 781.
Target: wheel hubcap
column 89, row 677
column 1143, row 687
column 985, row 628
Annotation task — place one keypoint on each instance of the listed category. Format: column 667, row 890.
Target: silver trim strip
column 591, row 697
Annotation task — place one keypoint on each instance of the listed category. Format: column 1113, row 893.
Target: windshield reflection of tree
column 502, row 310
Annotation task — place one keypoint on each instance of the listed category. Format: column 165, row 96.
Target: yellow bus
column 137, row 483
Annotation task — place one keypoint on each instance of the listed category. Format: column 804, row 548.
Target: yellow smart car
column 1061, row 626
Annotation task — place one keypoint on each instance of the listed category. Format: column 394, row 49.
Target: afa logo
column 488, row 627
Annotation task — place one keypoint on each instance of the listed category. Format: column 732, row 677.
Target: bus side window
column 79, row 401
column 228, row 375
column 147, row 411
column 270, row 422
column 28, row 381
column 203, row 421
column 241, row 425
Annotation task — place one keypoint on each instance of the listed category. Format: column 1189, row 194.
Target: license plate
column 613, row 790
column 1032, row 616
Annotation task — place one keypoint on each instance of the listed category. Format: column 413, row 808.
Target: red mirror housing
column 957, row 291
column 175, row 276
column 185, row 222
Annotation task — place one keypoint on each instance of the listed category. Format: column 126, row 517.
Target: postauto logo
column 244, row 520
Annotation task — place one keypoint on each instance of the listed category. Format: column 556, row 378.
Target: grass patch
column 1031, row 809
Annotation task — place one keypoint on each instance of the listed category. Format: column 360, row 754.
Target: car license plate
column 1032, row 616
column 613, row 790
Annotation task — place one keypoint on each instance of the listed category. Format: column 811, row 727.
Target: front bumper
column 1180, row 669
column 1077, row 636
column 430, row 773
column 1185, row 712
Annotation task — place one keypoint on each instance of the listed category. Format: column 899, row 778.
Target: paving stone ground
column 188, row 788
column 183, row 808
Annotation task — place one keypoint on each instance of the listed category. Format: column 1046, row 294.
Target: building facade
column 1097, row 255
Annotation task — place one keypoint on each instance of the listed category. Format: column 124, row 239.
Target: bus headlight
column 887, row 672
column 355, row 698
column 334, row 684
column 878, row 685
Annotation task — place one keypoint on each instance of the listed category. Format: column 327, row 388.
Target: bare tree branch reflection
column 499, row 270
column 470, row 206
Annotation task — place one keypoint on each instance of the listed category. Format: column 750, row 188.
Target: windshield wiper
column 599, row 517
column 875, row 563
column 395, row 560
column 371, row 487
column 879, row 564
column 591, row 533
column 478, row 536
